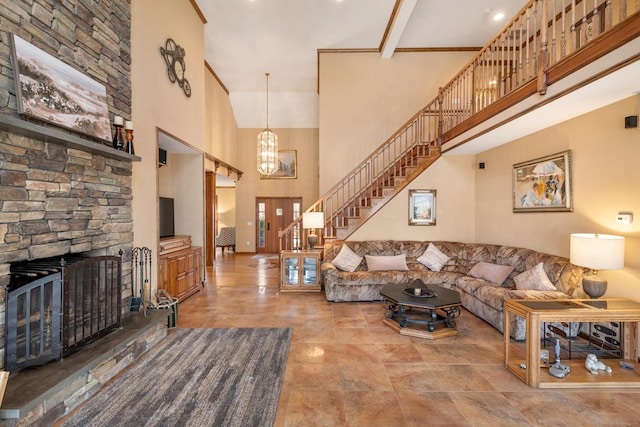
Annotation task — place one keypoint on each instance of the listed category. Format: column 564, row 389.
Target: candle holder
column 129, row 137
column 118, row 142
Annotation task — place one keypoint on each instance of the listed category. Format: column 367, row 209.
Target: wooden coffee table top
column 444, row 297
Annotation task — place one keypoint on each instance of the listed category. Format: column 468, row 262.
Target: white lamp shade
column 597, row 251
column 312, row 219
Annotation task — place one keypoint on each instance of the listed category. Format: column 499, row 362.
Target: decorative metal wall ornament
column 173, row 55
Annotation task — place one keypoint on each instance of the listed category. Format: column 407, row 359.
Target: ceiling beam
column 399, row 19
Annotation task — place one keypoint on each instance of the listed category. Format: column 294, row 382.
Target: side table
column 300, row 271
column 523, row 359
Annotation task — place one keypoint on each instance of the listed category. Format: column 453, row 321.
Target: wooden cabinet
column 180, row 267
column 300, row 271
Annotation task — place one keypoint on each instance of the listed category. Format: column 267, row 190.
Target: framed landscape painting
column 422, row 207
column 287, row 166
column 543, row 184
column 54, row 92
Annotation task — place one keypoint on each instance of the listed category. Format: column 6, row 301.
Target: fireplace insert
column 54, row 306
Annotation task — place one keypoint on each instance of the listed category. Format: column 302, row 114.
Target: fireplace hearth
column 56, row 305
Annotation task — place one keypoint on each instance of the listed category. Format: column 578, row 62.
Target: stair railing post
column 543, row 63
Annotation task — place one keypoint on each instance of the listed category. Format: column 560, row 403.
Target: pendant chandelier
column 267, row 145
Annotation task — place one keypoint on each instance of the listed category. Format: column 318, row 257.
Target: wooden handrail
column 516, row 63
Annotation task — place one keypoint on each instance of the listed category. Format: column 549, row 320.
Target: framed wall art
column 287, row 166
column 543, row 184
column 54, row 92
column 422, row 207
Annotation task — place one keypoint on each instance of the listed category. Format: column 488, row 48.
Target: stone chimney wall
column 58, row 198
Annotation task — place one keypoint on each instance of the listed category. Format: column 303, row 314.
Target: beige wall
column 305, row 142
column 226, row 206
column 364, row 99
column 606, row 180
column 221, row 128
column 455, row 206
column 158, row 103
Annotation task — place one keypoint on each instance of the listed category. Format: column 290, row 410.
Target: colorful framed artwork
column 543, row 184
column 54, row 92
column 287, row 166
column 422, row 207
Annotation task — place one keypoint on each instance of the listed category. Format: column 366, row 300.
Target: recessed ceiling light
column 498, row 16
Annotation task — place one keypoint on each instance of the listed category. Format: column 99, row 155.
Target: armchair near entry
column 226, row 238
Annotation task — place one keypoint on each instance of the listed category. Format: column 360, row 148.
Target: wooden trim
column 198, row 11
column 485, row 114
column 4, row 378
column 601, row 46
column 217, row 162
column 215, row 76
column 387, row 30
column 438, row 49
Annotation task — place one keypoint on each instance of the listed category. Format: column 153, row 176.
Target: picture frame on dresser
column 422, row 207
column 49, row 90
column 543, row 184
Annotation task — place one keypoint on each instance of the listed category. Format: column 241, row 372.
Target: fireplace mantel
column 49, row 134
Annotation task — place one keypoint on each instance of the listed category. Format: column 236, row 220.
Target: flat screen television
column 166, row 217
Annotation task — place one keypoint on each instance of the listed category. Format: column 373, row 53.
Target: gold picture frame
column 422, row 207
column 543, row 184
column 287, row 166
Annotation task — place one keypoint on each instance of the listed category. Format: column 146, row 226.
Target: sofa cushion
column 491, row 272
column 347, row 260
column 367, row 277
column 534, row 279
column 433, row 258
column 489, row 293
column 384, row 263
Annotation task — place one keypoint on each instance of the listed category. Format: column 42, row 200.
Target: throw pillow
column 433, row 258
column 395, row 262
column 347, row 260
column 535, row 279
column 491, row 272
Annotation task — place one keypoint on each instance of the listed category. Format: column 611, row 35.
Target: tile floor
column 346, row 368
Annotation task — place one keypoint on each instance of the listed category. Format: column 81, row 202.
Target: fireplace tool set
column 140, row 279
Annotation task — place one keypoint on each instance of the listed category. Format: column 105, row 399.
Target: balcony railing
column 545, row 41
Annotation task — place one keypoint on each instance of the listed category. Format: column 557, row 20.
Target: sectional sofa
column 465, row 267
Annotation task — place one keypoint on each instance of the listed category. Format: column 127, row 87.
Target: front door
column 274, row 214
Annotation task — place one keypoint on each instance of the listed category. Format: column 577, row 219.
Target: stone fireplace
column 62, row 193
column 61, row 199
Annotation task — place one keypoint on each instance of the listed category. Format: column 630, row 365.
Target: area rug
column 197, row 377
column 268, row 256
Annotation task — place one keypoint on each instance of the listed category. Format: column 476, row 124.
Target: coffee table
column 433, row 317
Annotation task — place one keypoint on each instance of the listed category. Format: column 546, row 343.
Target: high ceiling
column 244, row 39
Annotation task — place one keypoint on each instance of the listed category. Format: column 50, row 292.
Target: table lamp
column 311, row 221
column 597, row 252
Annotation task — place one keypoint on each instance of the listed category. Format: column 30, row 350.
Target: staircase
column 545, row 42
column 376, row 180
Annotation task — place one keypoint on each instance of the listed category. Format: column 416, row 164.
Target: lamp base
column 594, row 286
column 312, row 239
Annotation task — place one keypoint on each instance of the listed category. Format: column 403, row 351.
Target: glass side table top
column 614, row 304
column 552, row 305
